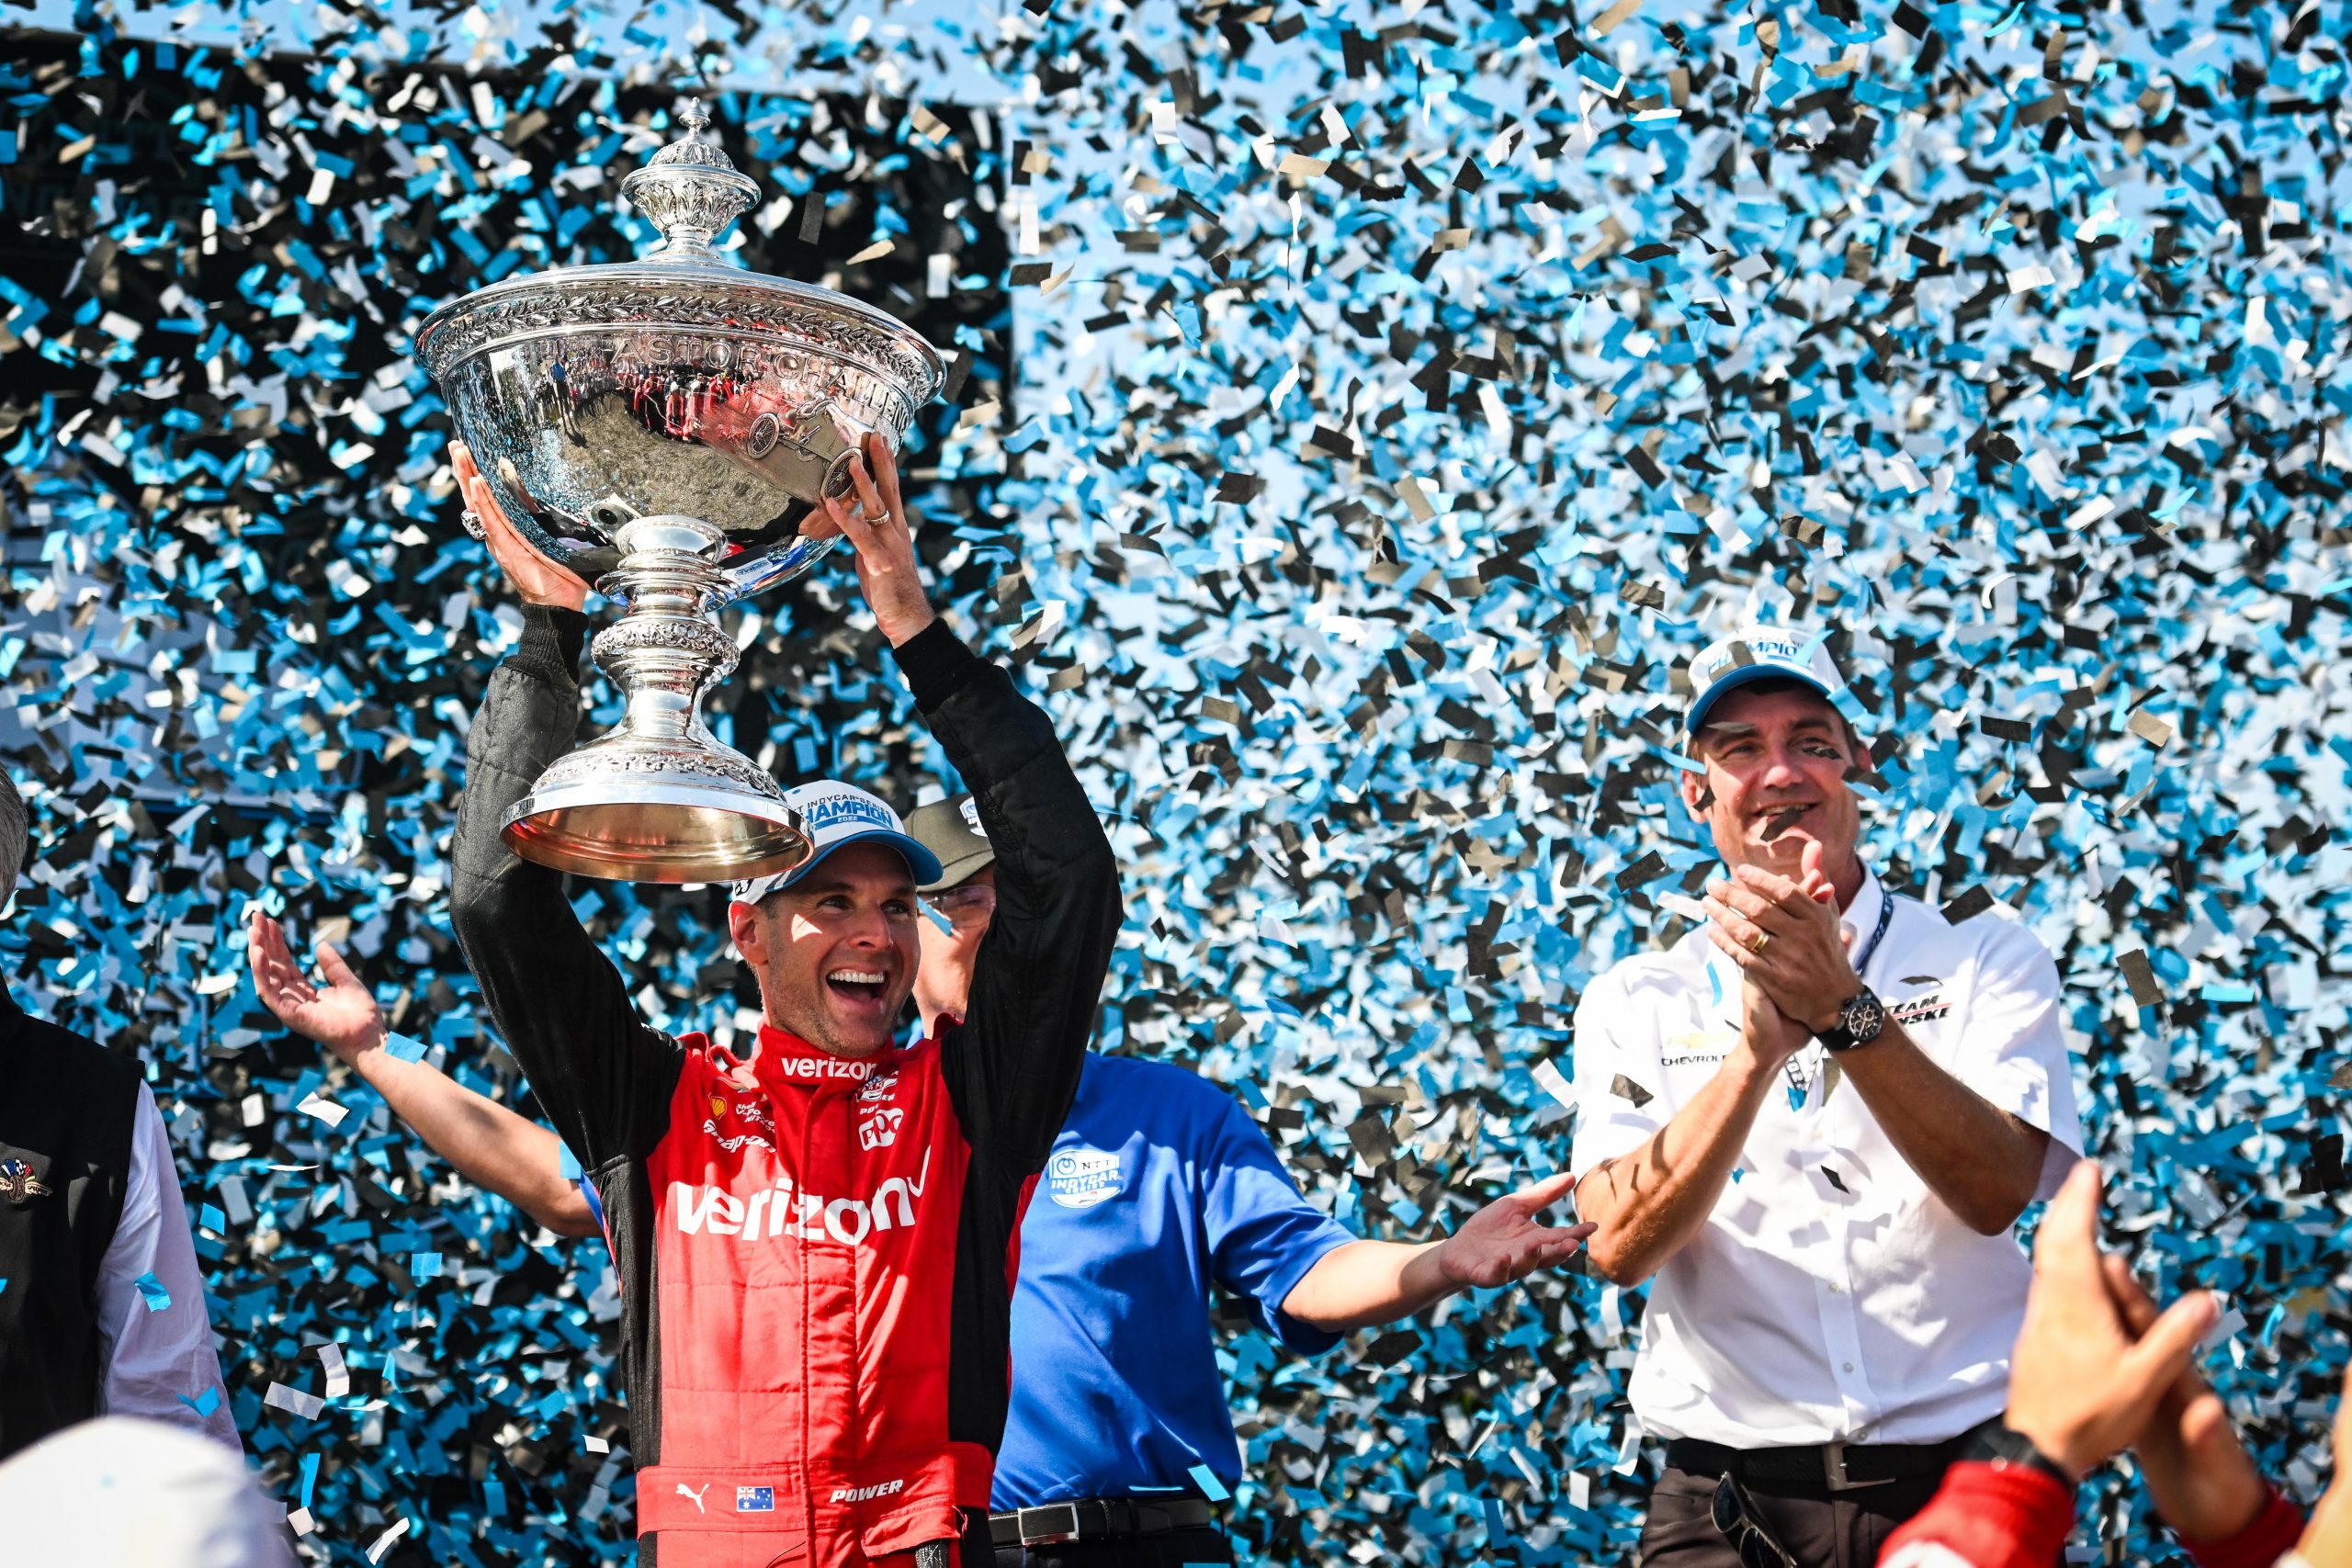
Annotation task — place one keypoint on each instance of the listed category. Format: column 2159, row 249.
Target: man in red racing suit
column 814, row 1241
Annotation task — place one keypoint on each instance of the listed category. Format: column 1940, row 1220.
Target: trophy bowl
column 665, row 428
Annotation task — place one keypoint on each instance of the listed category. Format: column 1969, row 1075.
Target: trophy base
column 681, row 824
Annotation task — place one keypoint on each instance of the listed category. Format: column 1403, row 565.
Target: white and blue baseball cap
column 1761, row 653
column 837, row 815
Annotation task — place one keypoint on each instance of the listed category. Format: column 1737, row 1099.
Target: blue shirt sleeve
column 1263, row 1235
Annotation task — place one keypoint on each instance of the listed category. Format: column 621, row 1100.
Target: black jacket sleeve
column 602, row 1076
column 1013, row 1063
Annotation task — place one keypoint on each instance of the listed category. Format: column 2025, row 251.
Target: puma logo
column 693, row 1497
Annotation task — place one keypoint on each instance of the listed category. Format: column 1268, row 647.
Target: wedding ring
column 1758, row 945
column 472, row 521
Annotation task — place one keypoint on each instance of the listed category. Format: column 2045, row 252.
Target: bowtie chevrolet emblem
column 18, row 1182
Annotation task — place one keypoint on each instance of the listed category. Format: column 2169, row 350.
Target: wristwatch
column 1858, row 1023
column 2003, row 1447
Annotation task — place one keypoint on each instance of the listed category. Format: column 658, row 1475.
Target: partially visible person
column 1814, row 1120
column 103, row 1311
column 2098, row 1369
column 126, row 1492
column 1157, row 1186
column 492, row 1146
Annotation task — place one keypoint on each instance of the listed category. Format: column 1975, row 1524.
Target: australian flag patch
column 756, row 1499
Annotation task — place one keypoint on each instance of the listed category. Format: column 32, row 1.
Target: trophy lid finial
column 690, row 190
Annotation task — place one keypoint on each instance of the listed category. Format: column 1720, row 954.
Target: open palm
column 342, row 1017
column 1504, row 1242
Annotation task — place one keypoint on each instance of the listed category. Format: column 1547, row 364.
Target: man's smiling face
column 1776, row 756
column 835, row 953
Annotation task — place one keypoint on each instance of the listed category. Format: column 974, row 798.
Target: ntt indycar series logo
column 783, row 1211
column 1080, row 1178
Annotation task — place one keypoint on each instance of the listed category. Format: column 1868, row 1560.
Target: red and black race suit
column 816, row 1255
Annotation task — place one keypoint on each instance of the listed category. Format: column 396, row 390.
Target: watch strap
column 1840, row 1036
column 1998, row 1443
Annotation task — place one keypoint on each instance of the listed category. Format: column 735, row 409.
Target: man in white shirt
column 103, row 1309
column 1814, row 1120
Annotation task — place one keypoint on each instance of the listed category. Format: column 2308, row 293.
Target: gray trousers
column 1822, row 1529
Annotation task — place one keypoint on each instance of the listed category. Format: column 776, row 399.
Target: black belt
column 1099, row 1518
column 1839, row 1467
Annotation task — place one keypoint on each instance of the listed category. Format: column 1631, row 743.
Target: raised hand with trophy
column 670, row 429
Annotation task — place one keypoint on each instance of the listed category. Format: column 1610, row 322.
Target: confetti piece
column 325, row 1109
column 1554, row 1082
column 294, row 1402
column 383, row 1542
column 1206, row 1480
column 338, row 1375
column 151, row 1292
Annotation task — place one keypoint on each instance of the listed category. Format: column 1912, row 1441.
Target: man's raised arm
column 601, row 1075
column 1038, row 976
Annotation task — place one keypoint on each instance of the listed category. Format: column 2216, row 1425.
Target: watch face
column 1863, row 1018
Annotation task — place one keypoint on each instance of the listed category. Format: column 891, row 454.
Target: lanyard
column 1801, row 1082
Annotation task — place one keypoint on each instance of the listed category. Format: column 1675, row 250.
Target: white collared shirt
column 1830, row 1295
column 157, row 1361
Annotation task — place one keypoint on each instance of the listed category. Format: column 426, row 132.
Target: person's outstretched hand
column 2082, row 1386
column 876, row 528
column 539, row 579
column 2198, row 1474
column 1503, row 1241
column 342, row 1017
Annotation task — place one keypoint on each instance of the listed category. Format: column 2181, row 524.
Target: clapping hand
column 2198, row 1471
column 1784, row 935
column 2083, row 1385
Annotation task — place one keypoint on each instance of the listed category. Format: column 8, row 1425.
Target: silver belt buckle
column 1833, row 1467
column 1059, row 1524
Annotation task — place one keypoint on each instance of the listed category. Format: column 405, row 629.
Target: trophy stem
column 660, row 799
column 668, row 648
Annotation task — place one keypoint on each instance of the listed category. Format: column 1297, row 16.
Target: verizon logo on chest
column 785, row 1211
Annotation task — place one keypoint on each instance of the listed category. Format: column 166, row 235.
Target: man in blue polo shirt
column 1118, row 1444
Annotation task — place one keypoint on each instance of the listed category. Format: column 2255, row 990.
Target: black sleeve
column 1012, row 1066
column 601, row 1075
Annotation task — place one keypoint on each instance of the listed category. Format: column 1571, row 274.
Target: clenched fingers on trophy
column 679, row 432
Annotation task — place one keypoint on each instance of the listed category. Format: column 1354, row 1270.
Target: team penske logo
column 867, row 1494
column 785, row 1211
column 878, row 1122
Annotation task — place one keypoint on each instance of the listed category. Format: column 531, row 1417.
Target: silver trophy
column 665, row 428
